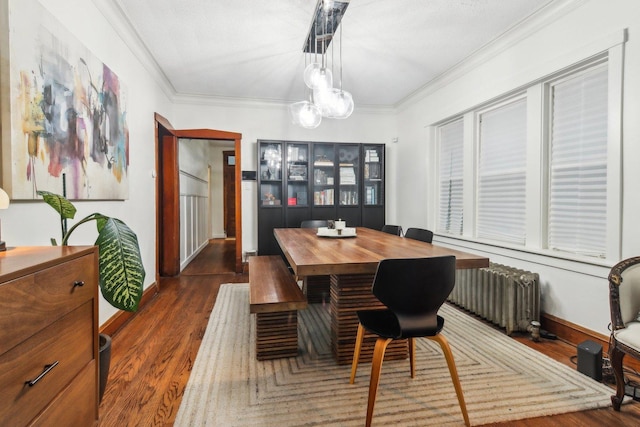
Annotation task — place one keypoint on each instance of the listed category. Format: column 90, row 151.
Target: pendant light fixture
column 324, row 100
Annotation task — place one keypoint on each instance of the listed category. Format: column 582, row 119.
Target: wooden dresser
column 49, row 336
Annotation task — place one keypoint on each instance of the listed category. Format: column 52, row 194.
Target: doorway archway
column 168, row 193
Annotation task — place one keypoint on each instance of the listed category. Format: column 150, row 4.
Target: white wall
column 574, row 291
column 33, row 223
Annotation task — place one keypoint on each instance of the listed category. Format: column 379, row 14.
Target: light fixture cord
column 324, row 42
column 341, row 27
column 332, row 48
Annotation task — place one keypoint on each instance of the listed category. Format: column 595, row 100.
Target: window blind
column 502, row 173
column 451, row 177
column 578, row 164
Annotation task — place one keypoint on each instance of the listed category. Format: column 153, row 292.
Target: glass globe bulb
column 316, row 76
column 323, row 98
column 309, row 72
column 305, row 114
column 342, row 104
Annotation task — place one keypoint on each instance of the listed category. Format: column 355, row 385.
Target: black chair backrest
column 415, row 288
column 419, row 234
column 314, row 223
column 392, row 229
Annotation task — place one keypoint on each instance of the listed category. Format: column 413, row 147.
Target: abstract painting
column 68, row 113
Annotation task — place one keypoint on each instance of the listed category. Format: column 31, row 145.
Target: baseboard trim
column 570, row 332
column 118, row 320
column 575, row 334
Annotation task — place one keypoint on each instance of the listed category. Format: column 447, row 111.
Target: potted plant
column 120, row 270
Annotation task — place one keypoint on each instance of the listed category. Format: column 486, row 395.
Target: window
column 501, row 211
column 577, row 219
column 450, row 138
column 539, row 169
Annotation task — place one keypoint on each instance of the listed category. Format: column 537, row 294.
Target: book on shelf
column 370, row 196
column 323, row 161
column 323, row 197
column 372, row 171
column 301, row 198
column 347, row 175
column 371, row 156
column 348, row 198
column 298, row 172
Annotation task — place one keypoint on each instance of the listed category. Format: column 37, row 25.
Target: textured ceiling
column 253, row 48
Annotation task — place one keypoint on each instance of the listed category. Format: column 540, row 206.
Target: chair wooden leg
column 376, row 368
column 444, row 344
column 616, row 363
column 356, row 353
column 412, row 356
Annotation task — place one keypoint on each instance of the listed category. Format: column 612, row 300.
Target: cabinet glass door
column 271, row 174
column 373, row 175
column 297, row 174
column 349, row 171
column 323, row 175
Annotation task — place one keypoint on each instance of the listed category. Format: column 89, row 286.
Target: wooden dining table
column 349, row 264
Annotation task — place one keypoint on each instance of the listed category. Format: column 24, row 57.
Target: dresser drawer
column 34, row 301
column 76, row 405
column 69, row 341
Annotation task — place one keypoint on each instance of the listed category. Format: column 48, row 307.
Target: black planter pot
column 105, row 361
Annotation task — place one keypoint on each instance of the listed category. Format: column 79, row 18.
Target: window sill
column 579, row 264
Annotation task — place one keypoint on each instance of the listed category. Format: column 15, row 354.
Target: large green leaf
column 60, row 204
column 120, row 265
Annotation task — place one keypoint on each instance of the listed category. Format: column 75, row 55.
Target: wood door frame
column 168, row 193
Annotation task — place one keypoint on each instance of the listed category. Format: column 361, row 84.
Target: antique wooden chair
column 624, row 303
column 413, row 290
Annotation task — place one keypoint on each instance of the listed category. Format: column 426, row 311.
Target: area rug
column 502, row 379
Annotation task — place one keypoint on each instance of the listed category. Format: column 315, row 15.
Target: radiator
column 506, row 296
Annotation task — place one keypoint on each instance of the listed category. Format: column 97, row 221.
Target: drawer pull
column 78, row 283
column 47, row 369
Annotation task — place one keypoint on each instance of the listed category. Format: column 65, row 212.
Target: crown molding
column 113, row 12
column 518, row 32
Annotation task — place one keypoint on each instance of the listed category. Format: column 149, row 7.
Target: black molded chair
column 413, row 290
column 419, row 234
column 314, row 223
column 624, row 303
column 392, row 229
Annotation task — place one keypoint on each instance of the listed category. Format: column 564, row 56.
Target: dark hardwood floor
column 153, row 353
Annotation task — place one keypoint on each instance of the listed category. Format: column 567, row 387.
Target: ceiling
column 252, row 49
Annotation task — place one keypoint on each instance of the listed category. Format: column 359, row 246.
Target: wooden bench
column 275, row 298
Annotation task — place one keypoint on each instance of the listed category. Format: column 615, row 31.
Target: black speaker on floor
column 590, row 359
